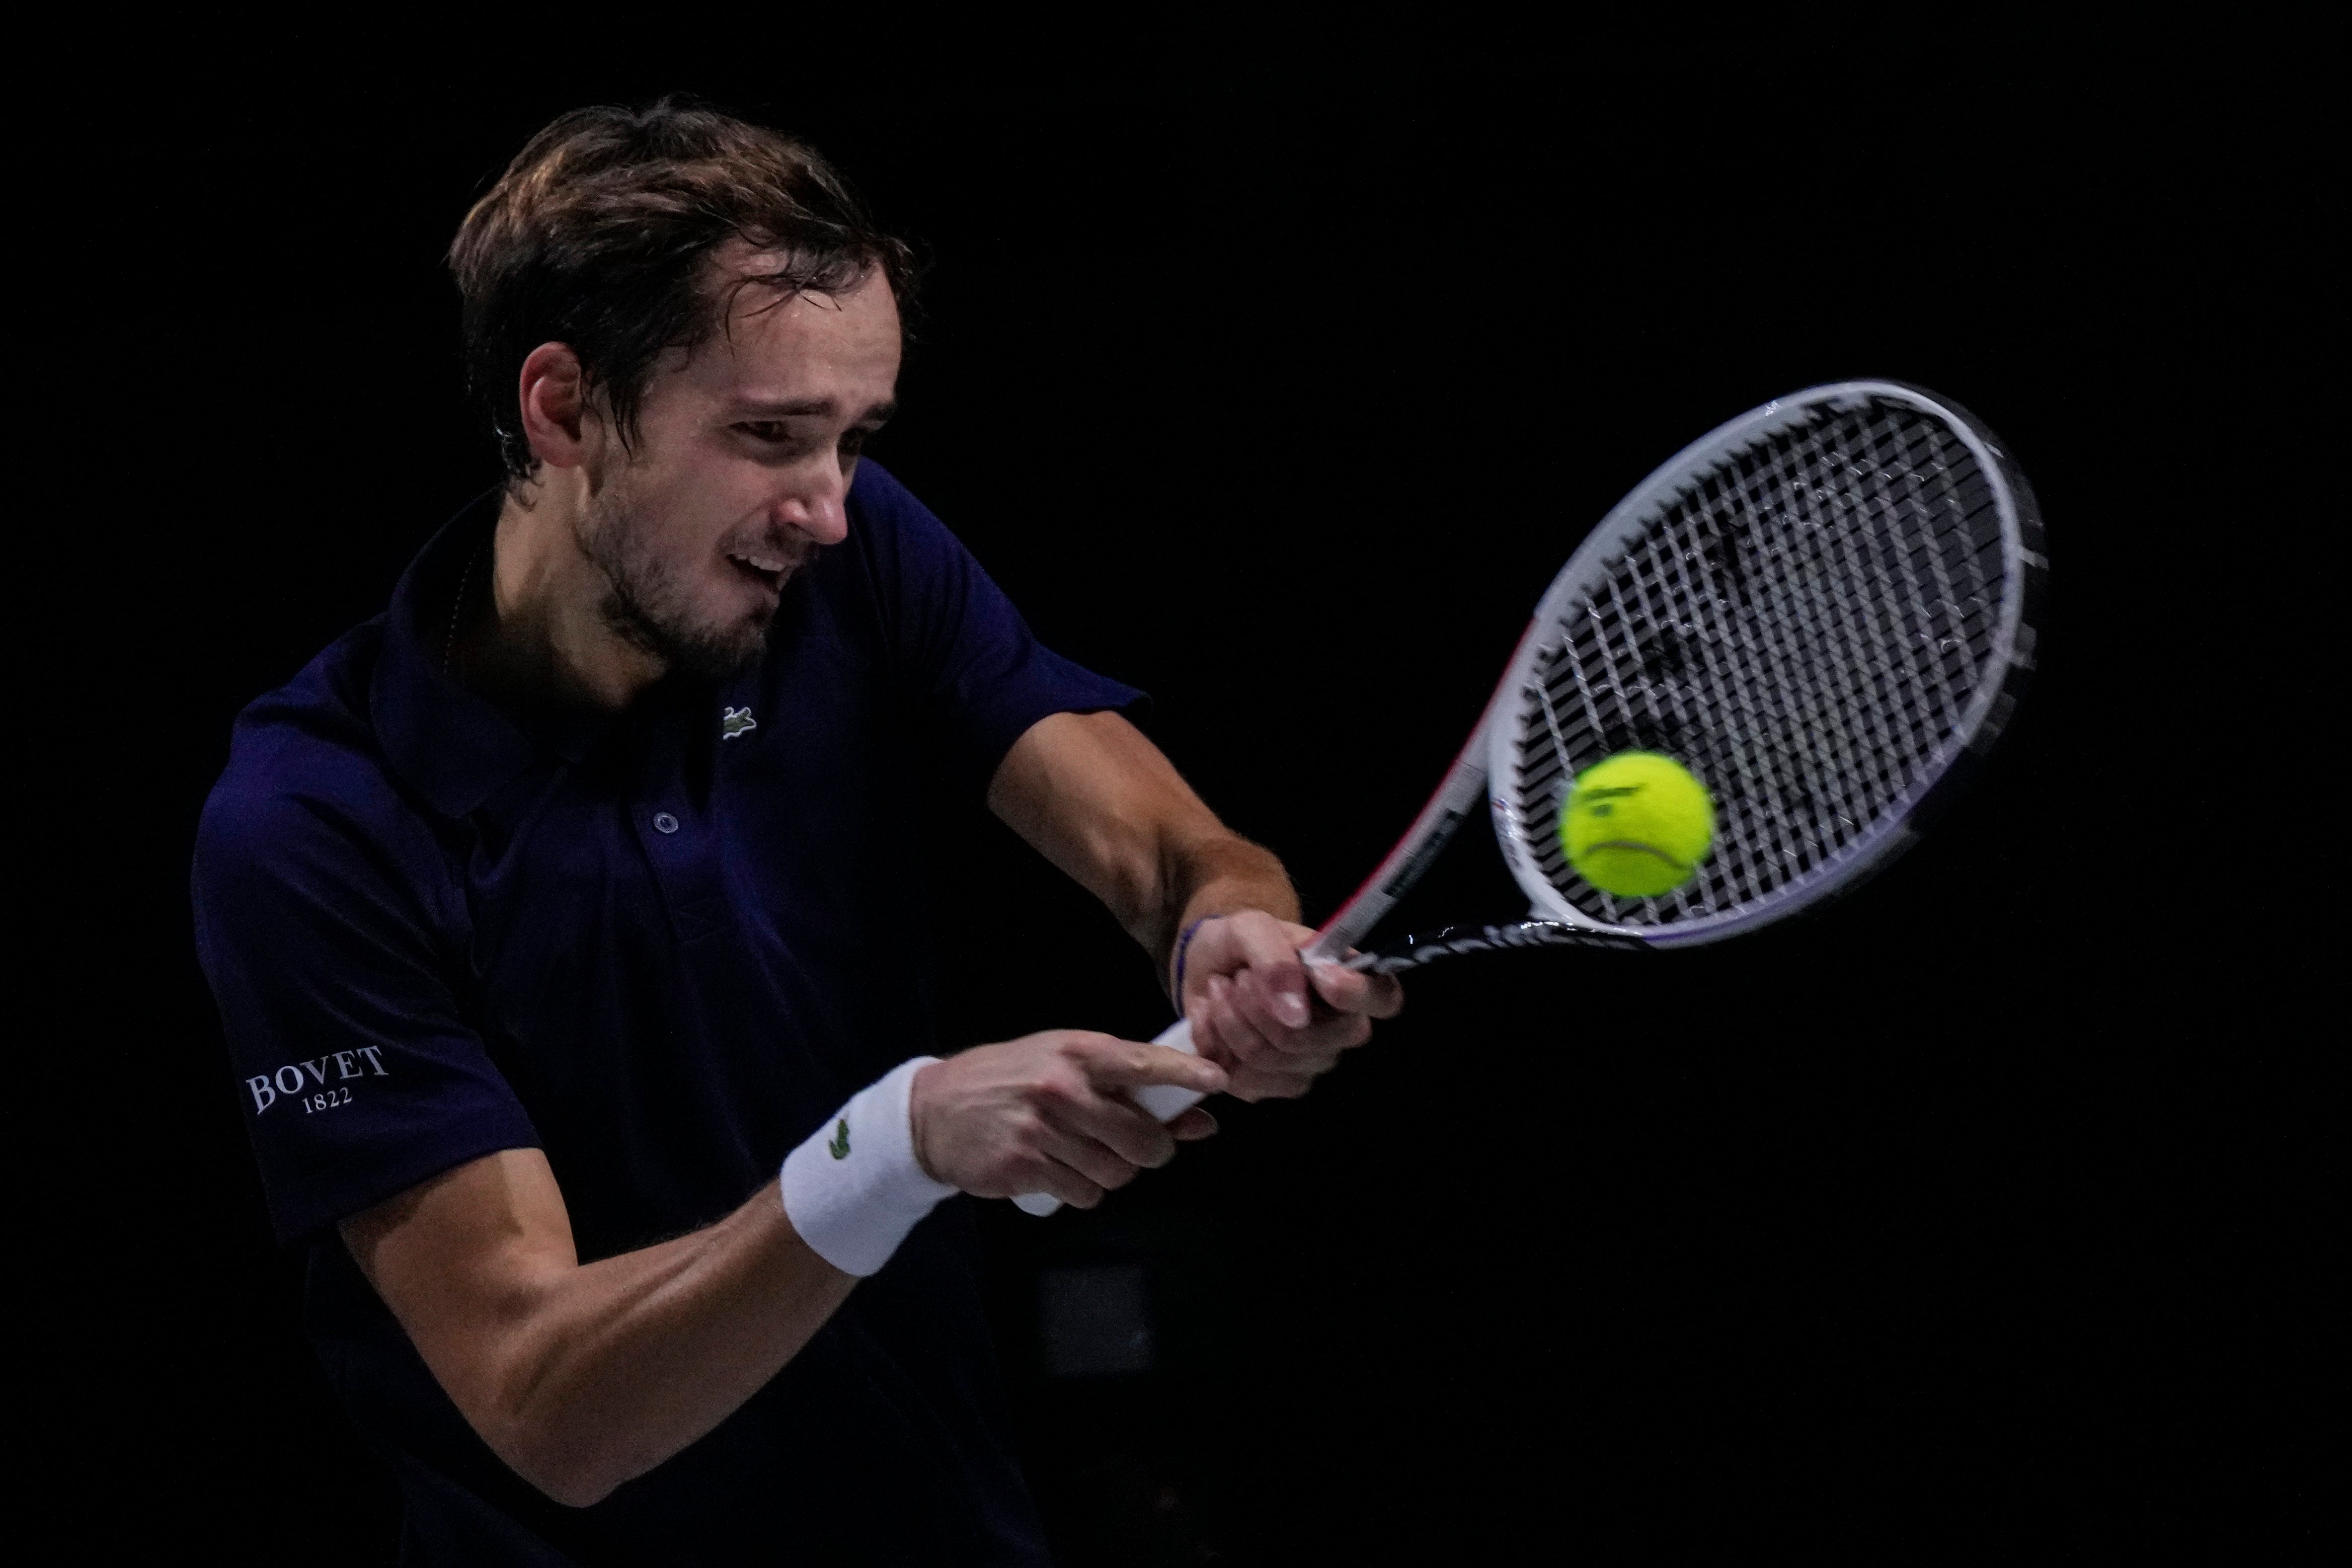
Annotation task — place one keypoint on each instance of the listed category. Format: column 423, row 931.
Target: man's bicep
column 463, row 1258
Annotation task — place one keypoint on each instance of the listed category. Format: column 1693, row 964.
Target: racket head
column 1825, row 608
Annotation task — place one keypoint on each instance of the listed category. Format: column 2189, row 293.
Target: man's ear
column 554, row 406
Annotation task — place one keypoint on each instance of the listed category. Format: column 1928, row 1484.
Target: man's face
column 741, row 471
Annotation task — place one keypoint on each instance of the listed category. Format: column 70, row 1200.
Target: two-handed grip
column 1163, row 1101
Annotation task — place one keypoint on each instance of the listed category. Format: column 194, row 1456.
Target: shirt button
column 666, row 822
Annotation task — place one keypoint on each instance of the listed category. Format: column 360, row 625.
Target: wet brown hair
column 599, row 236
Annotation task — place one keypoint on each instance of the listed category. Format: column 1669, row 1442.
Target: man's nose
column 819, row 509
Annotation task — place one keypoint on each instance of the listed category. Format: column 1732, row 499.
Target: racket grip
column 1163, row 1101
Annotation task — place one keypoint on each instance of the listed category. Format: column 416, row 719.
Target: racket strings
column 1804, row 627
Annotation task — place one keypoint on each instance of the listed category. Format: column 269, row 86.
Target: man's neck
column 539, row 637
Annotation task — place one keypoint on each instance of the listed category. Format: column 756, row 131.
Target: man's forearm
column 635, row 1357
column 1098, row 799
column 583, row 1376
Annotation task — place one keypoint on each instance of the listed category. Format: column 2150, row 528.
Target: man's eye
column 854, row 442
column 763, row 429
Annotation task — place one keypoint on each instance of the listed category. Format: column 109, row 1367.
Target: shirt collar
column 453, row 746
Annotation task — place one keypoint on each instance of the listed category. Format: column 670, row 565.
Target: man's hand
column 1049, row 1113
column 1101, row 802
column 1270, row 1020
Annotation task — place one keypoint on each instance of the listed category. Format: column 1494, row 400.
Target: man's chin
column 717, row 654
column 708, row 652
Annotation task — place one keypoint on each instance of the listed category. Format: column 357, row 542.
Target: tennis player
column 560, row 915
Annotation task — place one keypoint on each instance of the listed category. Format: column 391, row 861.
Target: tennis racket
column 1825, row 609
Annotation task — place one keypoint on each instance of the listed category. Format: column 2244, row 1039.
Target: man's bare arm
column 583, row 1376
column 1101, row 801
column 1096, row 797
column 580, row 1376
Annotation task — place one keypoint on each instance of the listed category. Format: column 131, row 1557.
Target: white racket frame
column 1590, row 567
column 1492, row 749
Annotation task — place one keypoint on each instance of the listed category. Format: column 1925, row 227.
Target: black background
column 1967, row 1219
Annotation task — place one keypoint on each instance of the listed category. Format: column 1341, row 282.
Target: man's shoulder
column 304, row 760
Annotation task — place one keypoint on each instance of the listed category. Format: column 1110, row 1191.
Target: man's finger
column 1051, row 1176
column 1271, row 960
column 1232, row 1029
column 1131, row 1063
column 1271, row 1010
column 1332, row 1031
column 1355, row 991
column 1191, row 1126
column 1132, row 1134
column 1089, row 1159
column 1254, row 1084
column 1202, row 1016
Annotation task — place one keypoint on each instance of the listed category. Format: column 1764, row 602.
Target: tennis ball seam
column 1645, row 792
column 1644, row 848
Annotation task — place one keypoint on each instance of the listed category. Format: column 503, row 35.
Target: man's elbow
column 568, row 1465
column 578, row 1492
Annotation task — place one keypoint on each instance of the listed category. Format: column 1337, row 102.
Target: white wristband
column 855, row 1189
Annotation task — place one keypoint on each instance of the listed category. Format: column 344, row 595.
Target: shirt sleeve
column 356, row 1074
column 958, row 644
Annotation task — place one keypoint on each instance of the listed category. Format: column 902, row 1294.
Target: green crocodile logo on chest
column 736, row 721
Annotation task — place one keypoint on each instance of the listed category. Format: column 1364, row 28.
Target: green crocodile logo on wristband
column 840, row 1144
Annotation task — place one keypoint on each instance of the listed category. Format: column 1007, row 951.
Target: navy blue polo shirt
column 662, row 947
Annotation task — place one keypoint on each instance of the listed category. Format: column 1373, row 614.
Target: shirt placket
column 681, row 840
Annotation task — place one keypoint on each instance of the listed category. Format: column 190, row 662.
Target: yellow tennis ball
column 1637, row 825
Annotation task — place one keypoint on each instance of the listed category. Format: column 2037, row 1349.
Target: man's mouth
column 768, row 570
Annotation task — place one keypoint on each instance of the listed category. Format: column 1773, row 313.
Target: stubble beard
column 648, row 606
